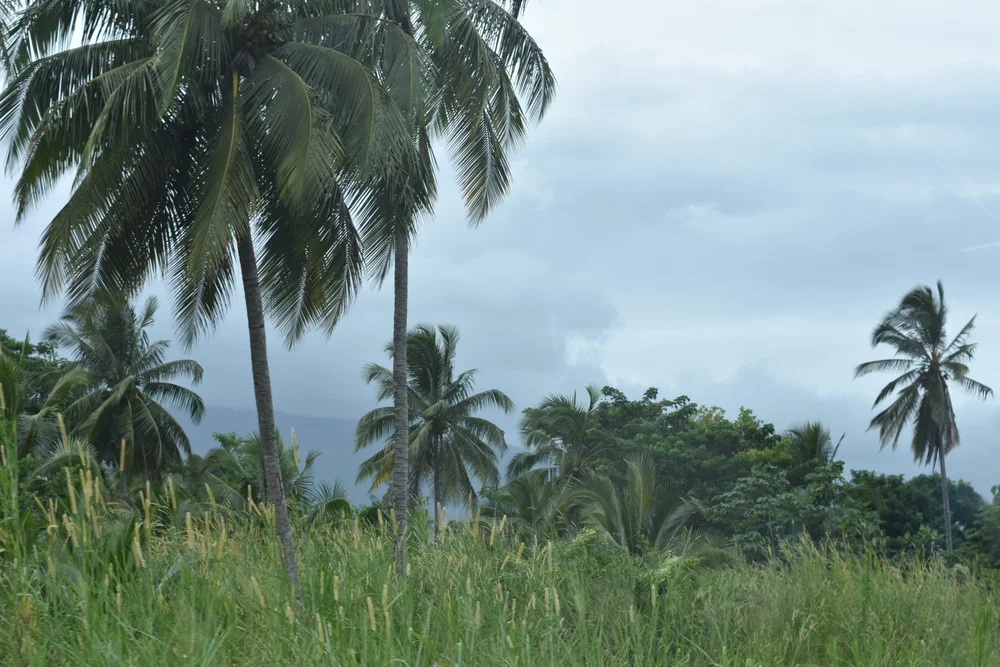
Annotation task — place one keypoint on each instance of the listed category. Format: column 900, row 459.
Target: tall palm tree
column 557, row 436
column 447, row 442
column 205, row 134
column 127, row 382
column 927, row 364
column 462, row 80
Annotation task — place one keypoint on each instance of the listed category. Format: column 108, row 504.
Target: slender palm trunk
column 265, row 411
column 401, row 454
column 438, row 488
column 946, row 501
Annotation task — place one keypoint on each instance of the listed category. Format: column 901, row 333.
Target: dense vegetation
column 292, row 145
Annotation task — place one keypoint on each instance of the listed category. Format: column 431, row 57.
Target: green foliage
column 984, row 538
column 764, row 509
column 697, row 450
column 38, row 367
column 905, row 507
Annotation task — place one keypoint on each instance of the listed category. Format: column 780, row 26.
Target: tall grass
column 101, row 588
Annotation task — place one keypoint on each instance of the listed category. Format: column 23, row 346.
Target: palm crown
column 557, row 438
column 926, row 362
column 172, row 110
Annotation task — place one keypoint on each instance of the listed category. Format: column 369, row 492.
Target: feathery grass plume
column 62, row 432
column 371, row 613
column 190, row 530
column 295, row 449
column 258, row 591
column 137, row 550
column 211, row 498
column 336, row 588
column 72, row 493
column 173, row 492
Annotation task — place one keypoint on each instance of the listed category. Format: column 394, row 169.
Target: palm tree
column 533, row 506
column 558, row 439
column 927, row 364
column 462, row 80
column 640, row 515
column 240, row 463
column 448, row 443
column 205, row 133
column 127, row 380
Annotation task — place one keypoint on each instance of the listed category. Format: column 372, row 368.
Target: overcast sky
column 724, row 199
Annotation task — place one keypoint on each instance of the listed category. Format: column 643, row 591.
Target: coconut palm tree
column 211, row 139
column 557, row 437
column 464, row 79
column 927, row 364
column 127, row 382
column 448, row 443
column 641, row 515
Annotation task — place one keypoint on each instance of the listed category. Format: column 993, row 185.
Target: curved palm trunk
column 945, row 501
column 401, row 454
column 265, row 410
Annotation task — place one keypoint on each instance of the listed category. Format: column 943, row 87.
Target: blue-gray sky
column 724, row 199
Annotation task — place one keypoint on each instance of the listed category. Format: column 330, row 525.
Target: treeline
column 650, row 475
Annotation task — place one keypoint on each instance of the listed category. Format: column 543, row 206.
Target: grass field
column 211, row 593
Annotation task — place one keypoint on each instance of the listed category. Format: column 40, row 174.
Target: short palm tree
column 927, row 364
column 211, row 139
column 811, row 441
column 558, row 438
column 242, row 467
column 532, row 506
column 127, row 382
column 449, row 443
column 476, row 78
column 641, row 515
